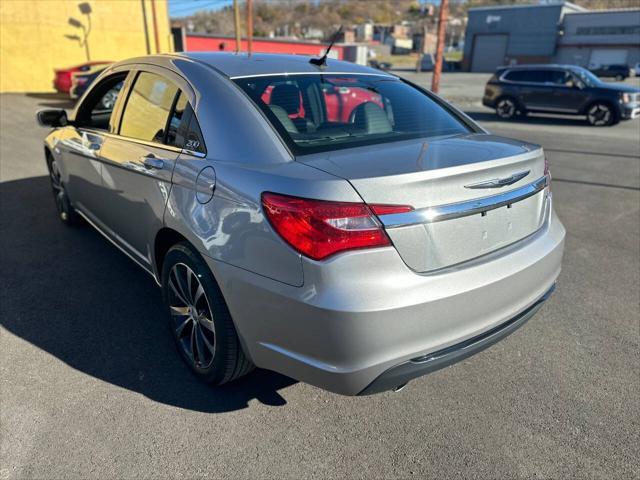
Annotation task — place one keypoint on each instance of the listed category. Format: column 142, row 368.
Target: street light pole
column 249, row 25
column 236, row 18
column 442, row 27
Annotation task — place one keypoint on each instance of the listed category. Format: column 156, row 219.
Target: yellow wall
column 33, row 41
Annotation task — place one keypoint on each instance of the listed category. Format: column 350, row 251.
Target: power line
column 199, row 6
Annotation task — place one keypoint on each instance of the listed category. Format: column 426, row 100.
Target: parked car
column 426, row 63
column 343, row 253
column 62, row 78
column 619, row 72
column 636, row 69
column 373, row 63
column 80, row 81
column 564, row 89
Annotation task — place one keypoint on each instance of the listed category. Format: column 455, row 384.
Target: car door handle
column 152, row 162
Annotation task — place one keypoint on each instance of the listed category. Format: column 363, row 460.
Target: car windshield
column 322, row 112
column 588, row 78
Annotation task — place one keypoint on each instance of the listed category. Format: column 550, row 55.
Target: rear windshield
column 315, row 113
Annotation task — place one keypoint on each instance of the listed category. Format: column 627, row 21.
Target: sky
column 182, row 8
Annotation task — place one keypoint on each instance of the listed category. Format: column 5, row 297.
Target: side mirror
column 55, row 117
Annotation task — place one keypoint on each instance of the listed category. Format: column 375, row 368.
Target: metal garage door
column 488, row 52
column 607, row 56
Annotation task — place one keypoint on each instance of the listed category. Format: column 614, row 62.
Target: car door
column 537, row 90
column 138, row 162
column 81, row 143
column 569, row 94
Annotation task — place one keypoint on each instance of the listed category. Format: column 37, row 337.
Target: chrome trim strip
column 161, row 146
column 551, row 109
column 450, row 211
column 499, row 182
column 193, row 153
column 113, row 242
column 374, row 74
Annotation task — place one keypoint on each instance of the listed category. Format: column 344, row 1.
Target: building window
column 614, row 30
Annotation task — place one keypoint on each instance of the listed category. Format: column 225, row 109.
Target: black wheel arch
column 164, row 240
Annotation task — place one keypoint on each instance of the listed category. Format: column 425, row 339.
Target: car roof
column 236, row 65
column 537, row 66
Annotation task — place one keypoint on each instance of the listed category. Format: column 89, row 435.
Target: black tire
column 619, row 78
column 601, row 114
column 200, row 320
column 66, row 213
column 508, row 108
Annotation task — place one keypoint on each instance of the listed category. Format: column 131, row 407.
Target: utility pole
column 146, row 28
column 423, row 46
column 155, row 25
column 442, row 27
column 249, row 25
column 236, row 18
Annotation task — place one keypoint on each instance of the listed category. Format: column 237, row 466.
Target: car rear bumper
column 399, row 375
column 364, row 313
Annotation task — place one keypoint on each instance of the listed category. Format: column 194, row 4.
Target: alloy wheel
column 506, row 108
column 599, row 115
column 59, row 194
column 191, row 316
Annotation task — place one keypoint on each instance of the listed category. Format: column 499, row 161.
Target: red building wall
column 199, row 43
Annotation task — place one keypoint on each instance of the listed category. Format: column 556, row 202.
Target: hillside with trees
column 298, row 17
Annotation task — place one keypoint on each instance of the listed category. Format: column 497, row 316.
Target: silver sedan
column 330, row 222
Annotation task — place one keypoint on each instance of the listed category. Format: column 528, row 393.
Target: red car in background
column 340, row 101
column 62, row 78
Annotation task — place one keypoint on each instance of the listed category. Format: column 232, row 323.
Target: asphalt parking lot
column 92, row 387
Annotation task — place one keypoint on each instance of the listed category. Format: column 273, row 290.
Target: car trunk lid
column 472, row 194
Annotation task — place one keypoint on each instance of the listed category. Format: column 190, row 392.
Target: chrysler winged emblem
column 500, row 182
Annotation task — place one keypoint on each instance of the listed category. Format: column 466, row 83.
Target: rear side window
column 529, row 76
column 147, row 110
column 183, row 130
column 324, row 112
column 177, row 128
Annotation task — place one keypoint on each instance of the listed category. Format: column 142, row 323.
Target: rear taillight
column 319, row 229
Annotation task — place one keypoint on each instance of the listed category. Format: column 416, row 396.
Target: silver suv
column 328, row 221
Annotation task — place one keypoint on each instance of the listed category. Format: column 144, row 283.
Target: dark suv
column 619, row 72
column 564, row 89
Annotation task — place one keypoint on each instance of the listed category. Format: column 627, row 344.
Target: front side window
column 561, row 77
column 326, row 112
column 97, row 109
column 586, row 76
column 147, row 110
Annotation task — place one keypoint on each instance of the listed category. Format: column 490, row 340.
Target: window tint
column 334, row 111
column 560, row 77
column 97, row 109
column 516, row 76
column 177, row 128
column 183, row 129
column 147, row 109
column 530, row 76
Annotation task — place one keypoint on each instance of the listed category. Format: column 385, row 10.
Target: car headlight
column 625, row 97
